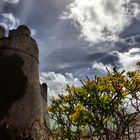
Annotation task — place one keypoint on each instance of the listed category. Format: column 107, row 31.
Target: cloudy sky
column 78, row 37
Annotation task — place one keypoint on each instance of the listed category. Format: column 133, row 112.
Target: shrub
column 105, row 107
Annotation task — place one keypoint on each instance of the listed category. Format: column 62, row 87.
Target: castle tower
column 21, row 105
column 2, row 32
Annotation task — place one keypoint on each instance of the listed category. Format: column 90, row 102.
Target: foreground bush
column 106, row 107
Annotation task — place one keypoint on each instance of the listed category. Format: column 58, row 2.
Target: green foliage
column 98, row 108
column 138, row 63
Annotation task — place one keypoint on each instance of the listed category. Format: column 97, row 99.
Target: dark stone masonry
column 23, row 100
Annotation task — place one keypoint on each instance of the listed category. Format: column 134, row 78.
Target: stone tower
column 22, row 97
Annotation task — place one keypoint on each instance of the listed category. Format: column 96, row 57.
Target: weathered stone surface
column 22, row 104
column 2, row 32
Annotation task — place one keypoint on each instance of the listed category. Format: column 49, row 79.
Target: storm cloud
column 78, row 38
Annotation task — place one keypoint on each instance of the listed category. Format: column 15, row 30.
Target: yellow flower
column 62, row 95
column 49, row 108
column 74, row 117
column 52, row 98
column 78, row 108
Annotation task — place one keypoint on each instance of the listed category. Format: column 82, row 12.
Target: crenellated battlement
column 19, row 40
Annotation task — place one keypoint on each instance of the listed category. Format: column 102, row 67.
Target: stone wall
column 20, row 88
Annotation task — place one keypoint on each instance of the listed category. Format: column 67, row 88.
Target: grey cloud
column 137, row 38
column 109, row 6
column 132, row 29
column 11, row 1
column 61, row 47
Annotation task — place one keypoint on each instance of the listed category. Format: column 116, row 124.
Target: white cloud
column 62, row 66
column 33, row 32
column 101, row 67
column 137, row 13
column 128, row 60
column 136, row 9
column 57, row 82
column 12, row 1
column 9, row 21
column 102, row 20
column 4, row 25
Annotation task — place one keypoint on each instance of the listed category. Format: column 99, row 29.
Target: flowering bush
column 104, row 107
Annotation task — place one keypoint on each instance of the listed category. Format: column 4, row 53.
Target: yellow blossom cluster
column 74, row 116
column 78, row 108
column 49, row 108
